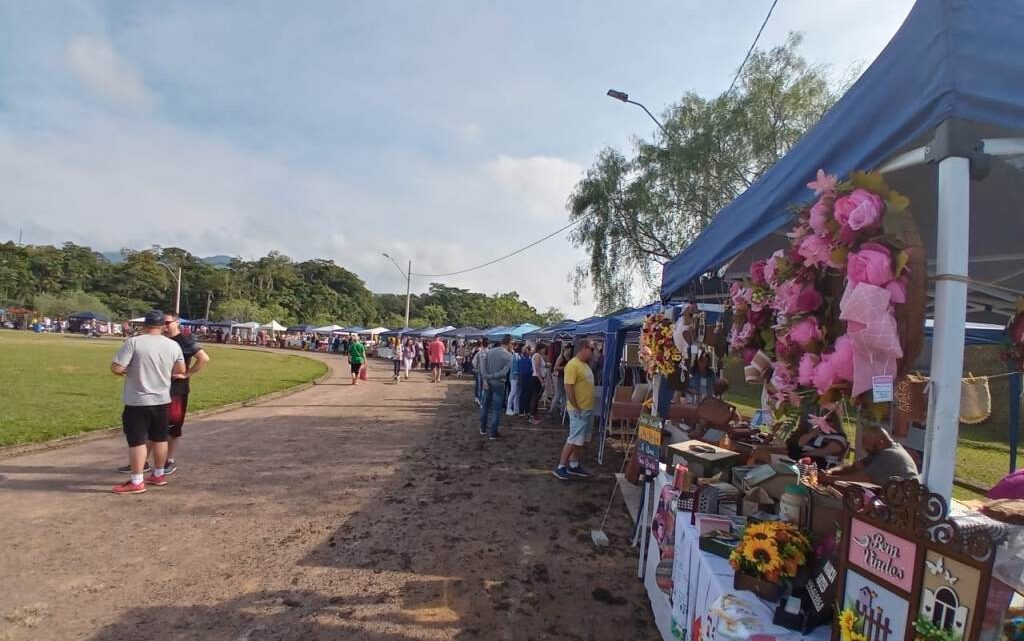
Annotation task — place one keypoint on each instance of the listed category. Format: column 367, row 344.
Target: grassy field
column 54, row 386
column 983, row 451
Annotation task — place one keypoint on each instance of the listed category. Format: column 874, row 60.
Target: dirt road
column 366, row 513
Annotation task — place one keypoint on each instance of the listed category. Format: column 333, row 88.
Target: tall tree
column 637, row 212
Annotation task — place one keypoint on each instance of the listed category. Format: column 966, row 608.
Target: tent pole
column 1014, row 386
column 950, row 317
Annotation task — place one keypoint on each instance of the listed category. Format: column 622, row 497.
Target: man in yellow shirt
column 579, row 392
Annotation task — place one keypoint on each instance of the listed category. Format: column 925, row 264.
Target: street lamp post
column 177, row 293
column 408, row 284
column 624, row 97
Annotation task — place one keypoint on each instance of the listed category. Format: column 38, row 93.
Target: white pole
column 177, row 295
column 954, row 212
column 408, row 289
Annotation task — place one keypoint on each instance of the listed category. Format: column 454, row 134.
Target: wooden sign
column 648, row 445
column 904, row 562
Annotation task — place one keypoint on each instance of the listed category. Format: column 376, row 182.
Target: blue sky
column 449, row 132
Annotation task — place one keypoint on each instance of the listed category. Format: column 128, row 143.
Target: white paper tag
column 881, row 389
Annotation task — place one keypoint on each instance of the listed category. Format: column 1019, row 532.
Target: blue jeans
column 478, row 387
column 492, row 406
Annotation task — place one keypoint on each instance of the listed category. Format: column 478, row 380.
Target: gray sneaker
column 170, row 467
column 127, row 469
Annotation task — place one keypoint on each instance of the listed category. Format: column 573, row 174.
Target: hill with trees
column 57, row 281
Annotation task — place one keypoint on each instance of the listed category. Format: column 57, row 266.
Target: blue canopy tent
column 391, row 333
column 564, row 328
column 955, row 66
column 461, row 332
column 301, row 329
column 484, row 333
column 430, row 333
column 515, row 331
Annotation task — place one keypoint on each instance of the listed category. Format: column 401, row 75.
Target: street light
column 177, row 295
column 408, row 284
column 624, row 97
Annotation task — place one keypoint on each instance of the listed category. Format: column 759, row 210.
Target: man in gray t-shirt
column 886, row 459
column 148, row 362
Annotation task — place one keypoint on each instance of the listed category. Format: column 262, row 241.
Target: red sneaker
column 159, row 481
column 129, row 488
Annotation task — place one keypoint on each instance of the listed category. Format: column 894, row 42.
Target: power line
column 751, row 49
column 509, row 255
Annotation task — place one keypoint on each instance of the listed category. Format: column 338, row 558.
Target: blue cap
column 154, row 318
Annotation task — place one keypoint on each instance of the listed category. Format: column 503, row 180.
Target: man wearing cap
column 148, row 362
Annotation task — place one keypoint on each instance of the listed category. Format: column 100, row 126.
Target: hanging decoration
column 1013, row 343
column 658, row 351
column 831, row 312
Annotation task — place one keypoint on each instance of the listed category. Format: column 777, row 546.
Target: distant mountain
column 220, row 260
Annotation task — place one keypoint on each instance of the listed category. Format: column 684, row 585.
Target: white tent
column 140, row 319
column 251, row 325
column 327, row 329
column 273, row 326
column 374, row 331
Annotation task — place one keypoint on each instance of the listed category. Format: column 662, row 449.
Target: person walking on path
column 148, row 362
column 579, row 392
column 356, row 358
column 513, row 383
column 408, row 356
column 558, row 380
column 435, row 350
column 495, row 366
column 525, row 367
column 539, row 372
column 397, row 357
column 478, row 355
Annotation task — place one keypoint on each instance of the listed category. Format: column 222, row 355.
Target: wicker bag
column 975, row 400
column 910, row 394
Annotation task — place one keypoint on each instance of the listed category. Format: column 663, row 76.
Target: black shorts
column 355, row 368
column 176, row 414
column 143, row 423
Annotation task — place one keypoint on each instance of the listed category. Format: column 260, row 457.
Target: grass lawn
column 983, row 451
column 55, row 386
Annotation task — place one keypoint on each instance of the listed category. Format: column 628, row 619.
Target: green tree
column 67, row 303
column 239, row 309
column 551, row 316
column 638, row 212
column 435, row 315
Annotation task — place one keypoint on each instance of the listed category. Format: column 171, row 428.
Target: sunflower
column 847, row 620
column 763, row 554
column 760, row 531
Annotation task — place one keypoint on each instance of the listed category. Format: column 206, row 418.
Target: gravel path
column 368, row 513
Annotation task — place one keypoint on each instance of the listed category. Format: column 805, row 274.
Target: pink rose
column 815, row 250
column 820, row 214
column 824, row 374
column 782, row 378
column 842, row 358
column 860, row 210
column 805, row 333
column 783, row 347
column 772, row 266
column 757, row 272
column 871, row 265
column 794, row 297
column 748, row 355
column 740, row 296
column 757, row 317
column 805, row 374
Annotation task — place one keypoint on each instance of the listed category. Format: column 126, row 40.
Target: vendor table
column 703, row 599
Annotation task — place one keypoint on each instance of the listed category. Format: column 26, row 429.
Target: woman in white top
column 539, row 373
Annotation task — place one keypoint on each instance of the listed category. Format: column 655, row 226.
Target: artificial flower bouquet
column 658, row 351
column 826, row 310
column 769, row 556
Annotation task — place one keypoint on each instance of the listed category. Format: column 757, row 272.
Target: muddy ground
column 367, row 513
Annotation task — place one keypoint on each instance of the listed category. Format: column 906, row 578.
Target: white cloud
column 539, row 185
column 106, row 74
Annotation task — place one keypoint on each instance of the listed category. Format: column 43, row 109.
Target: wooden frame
column 916, row 520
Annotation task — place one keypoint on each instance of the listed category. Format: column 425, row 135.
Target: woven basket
column 975, row 400
column 910, row 395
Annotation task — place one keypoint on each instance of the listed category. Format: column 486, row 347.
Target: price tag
column 881, row 389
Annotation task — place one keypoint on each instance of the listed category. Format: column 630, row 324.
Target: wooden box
column 703, row 459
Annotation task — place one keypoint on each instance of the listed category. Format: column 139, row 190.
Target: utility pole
column 177, row 295
column 209, row 297
column 408, row 288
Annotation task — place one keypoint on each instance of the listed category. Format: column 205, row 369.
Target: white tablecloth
column 702, row 588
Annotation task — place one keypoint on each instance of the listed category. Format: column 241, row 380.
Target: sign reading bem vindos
column 648, row 445
column 883, row 554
